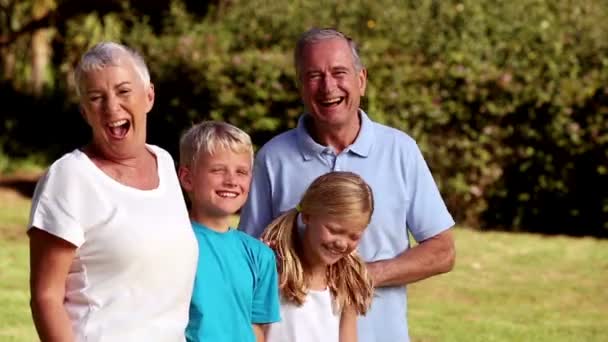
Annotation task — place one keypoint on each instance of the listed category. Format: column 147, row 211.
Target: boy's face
column 218, row 184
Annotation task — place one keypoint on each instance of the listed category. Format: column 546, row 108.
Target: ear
column 185, row 178
column 362, row 81
column 83, row 114
column 150, row 96
column 305, row 218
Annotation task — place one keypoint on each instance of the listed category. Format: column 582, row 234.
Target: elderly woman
column 111, row 249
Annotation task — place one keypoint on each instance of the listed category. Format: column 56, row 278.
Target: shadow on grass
column 24, row 185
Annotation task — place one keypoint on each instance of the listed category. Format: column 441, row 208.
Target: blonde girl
column 324, row 284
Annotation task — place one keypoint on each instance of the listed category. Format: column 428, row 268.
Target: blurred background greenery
column 507, row 99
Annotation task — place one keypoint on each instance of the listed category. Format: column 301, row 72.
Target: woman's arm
column 348, row 325
column 50, row 260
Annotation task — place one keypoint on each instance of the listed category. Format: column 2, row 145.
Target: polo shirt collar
column 361, row 146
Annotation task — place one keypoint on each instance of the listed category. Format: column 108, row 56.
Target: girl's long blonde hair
column 341, row 195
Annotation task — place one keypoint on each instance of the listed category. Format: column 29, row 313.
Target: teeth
column 332, row 251
column 332, row 101
column 117, row 123
column 227, row 194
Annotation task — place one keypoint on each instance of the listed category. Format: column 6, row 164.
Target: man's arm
column 430, row 257
column 50, row 260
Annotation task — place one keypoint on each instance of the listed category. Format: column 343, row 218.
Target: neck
column 315, row 271
column 220, row 224
column 338, row 137
column 98, row 154
column 317, row 276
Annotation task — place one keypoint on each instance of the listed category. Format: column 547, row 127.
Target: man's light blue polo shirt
column 405, row 194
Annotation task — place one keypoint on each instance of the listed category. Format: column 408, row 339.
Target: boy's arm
column 266, row 306
column 259, row 330
column 348, row 325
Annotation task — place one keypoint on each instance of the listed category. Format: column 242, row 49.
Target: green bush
column 507, row 99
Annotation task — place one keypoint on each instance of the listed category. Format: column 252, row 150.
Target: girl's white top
column 315, row 321
column 131, row 278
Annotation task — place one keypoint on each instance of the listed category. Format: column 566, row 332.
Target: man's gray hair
column 316, row 35
column 109, row 54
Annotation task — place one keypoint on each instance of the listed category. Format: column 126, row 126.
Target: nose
column 341, row 245
column 328, row 83
column 111, row 103
column 230, row 179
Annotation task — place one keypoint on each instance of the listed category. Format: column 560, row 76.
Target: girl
column 324, row 284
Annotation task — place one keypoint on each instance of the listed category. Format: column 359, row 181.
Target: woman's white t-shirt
column 314, row 321
column 132, row 276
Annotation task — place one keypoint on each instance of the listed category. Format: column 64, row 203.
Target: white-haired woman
column 111, row 249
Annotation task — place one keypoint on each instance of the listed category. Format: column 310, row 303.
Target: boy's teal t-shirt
column 236, row 285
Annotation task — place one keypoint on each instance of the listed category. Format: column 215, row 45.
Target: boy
column 236, row 287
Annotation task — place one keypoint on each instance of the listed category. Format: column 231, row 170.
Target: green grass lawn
column 505, row 287
column 515, row 287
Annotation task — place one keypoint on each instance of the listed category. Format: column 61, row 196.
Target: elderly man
column 335, row 134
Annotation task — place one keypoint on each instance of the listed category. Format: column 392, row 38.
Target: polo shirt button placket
column 337, row 164
column 330, row 157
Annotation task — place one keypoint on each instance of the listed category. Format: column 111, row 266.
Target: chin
column 229, row 210
column 331, row 260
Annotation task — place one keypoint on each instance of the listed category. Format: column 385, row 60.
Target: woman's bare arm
column 50, row 260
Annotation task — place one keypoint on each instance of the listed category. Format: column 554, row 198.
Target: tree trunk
column 8, row 63
column 41, row 50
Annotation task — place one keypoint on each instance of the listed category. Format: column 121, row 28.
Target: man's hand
column 430, row 257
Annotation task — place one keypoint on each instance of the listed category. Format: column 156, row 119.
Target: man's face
column 331, row 87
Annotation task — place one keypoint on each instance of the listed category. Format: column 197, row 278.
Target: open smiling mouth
column 333, row 252
column 332, row 102
column 227, row 194
column 119, row 129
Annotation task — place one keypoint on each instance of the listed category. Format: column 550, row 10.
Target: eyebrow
column 93, row 90
column 122, row 83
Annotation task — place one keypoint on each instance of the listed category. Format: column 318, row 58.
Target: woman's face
column 115, row 103
column 328, row 239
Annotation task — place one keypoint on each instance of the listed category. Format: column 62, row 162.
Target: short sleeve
column 265, row 308
column 257, row 212
column 427, row 214
column 55, row 205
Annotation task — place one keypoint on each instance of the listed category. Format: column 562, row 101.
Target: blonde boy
column 236, row 288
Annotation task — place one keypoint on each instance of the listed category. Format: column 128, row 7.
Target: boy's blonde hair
column 340, row 195
column 210, row 137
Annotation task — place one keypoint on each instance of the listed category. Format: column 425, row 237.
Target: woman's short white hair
column 211, row 137
column 109, row 54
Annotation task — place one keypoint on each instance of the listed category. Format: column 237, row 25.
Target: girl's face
column 328, row 239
